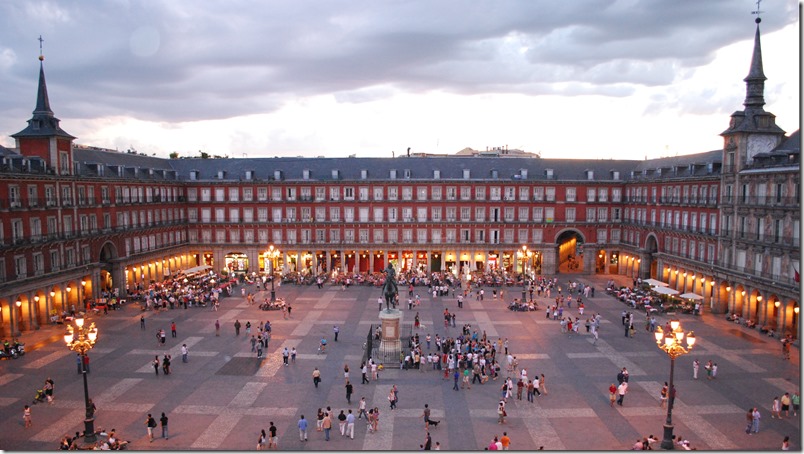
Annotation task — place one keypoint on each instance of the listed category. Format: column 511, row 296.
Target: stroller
column 40, row 396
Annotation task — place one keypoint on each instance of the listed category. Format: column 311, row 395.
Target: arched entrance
column 570, row 251
column 108, row 254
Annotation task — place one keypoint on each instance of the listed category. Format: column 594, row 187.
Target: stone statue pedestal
column 390, row 345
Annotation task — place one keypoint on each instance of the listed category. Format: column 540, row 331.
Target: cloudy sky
column 581, row 78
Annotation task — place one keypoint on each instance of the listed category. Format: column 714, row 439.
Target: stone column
column 549, row 265
column 589, row 257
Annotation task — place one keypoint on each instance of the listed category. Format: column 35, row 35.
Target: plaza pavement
column 223, row 397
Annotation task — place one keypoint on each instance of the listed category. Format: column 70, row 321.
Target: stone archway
column 569, row 247
column 651, row 249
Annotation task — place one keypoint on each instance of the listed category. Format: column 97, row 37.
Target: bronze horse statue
column 389, row 289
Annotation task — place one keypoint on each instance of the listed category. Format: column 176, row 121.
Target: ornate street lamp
column 672, row 343
column 81, row 340
column 273, row 253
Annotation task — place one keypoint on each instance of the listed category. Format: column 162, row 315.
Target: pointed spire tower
column 753, row 130
column 43, row 137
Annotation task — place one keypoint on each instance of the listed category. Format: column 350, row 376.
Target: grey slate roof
column 407, row 168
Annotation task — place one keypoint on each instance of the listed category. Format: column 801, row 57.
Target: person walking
column 142, row 322
column 392, row 398
column 327, row 426
column 755, row 417
column 155, row 363
column 621, row 390
column 543, row 384
column 316, row 377
column 184, row 353
column 349, row 389
column 237, row 327
column 350, row 424
column 273, row 443
column 336, row 330
column 785, row 401
column 776, row 408
column 217, row 327
column 173, row 329
column 663, row 396
column 48, row 387
column 364, row 371
column 361, row 408
column 26, row 416
column 261, row 440
column 163, row 420
column 796, row 401
column 150, row 423
column 302, row 424
column 506, row 441
column 285, row 356
column 749, row 420
column 612, row 394
column 85, row 359
column 426, row 415
column 342, row 423
column 695, row 366
column 501, row 414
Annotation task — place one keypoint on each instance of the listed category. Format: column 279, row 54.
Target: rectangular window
column 549, row 214
column 480, row 214
column 248, row 194
column 466, row 193
column 570, row 194
column 494, row 193
column 407, row 193
column 451, row 214
column 262, row 194
column 234, row 194
column 436, row 213
column 538, row 194
column 436, row 192
column 523, row 214
column 393, row 193
column 363, row 193
column 603, row 215
column 524, row 193
column 538, row 214
column 421, row 193
column 378, row 193
column 550, row 194
column 591, row 215
column 570, row 214
column 480, row 193
column 590, row 194
column 378, row 214
column 451, row 193
column 348, row 214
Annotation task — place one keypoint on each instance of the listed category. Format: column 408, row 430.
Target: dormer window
column 590, row 174
column 494, row 174
column 523, row 173
column 466, row 174
column 221, row 174
column 249, row 174
column 548, row 173
column 277, row 175
column 407, row 173
column 436, row 174
column 193, row 175
column 393, row 174
column 363, row 174
column 306, row 174
column 336, row 174
column 615, row 175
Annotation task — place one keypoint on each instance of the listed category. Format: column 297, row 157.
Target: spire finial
column 758, row 12
column 41, row 56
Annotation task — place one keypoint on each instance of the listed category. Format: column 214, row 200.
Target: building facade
column 76, row 221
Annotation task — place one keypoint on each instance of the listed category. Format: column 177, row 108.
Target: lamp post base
column 273, row 296
column 667, row 439
column 89, row 430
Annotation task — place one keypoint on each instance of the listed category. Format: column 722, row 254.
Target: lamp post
column 671, row 342
column 273, row 253
column 81, row 340
column 525, row 254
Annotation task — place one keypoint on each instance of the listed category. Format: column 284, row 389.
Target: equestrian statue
column 389, row 289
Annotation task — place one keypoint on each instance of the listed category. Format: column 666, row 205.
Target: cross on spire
column 40, row 45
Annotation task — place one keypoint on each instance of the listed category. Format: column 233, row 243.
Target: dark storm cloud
column 178, row 61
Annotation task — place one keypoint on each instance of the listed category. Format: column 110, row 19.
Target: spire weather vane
column 40, row 46
column 758, row 12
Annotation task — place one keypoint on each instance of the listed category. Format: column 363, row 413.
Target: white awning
column 655, row 283
column 197, row 269
column 691, row 296
column 665, row 290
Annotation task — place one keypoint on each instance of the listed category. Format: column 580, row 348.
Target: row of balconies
column 754, row 237
column 79, row 234
column 352, row 199
column 27, row 203
column 767, row 201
